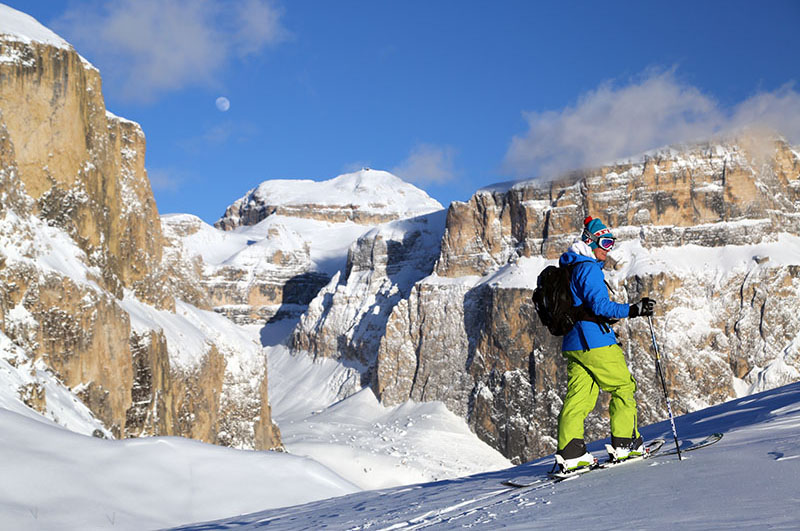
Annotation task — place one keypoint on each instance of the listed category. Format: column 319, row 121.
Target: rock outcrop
column 83, row 167
column 347, row 319
column 251, row 277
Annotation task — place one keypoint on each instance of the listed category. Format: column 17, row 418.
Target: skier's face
column 600, row 254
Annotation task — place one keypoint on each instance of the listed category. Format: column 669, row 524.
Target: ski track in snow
column 749, row 479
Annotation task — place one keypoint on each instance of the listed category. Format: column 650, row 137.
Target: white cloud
column 149, row 47
column 257, row 25
column 613, row 122
column 427, row 164
column 778, row 110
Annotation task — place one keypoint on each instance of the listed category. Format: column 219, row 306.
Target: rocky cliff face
column 347, row 319
column 83, row 166
column 708, row 230
column 82, row 266
column 676, row 196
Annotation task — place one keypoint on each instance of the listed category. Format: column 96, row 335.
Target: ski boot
column 622, row 449
column 575, row 464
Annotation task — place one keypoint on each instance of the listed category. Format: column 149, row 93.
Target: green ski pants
column 589, row 371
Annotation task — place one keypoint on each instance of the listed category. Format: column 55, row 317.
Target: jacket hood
column 577, row 252
column 582, row 248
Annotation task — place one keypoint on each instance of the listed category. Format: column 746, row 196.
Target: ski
column 708, row 441
column 522, row 482
column 654, row 448
column 650, row 449
column 565, row 476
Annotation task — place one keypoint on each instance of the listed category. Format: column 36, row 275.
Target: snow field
column 57, row 479
column 324, row 414
column 747, row 480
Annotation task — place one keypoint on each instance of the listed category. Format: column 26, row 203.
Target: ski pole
column 664, row 385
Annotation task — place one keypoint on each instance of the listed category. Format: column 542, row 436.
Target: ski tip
column 521, row 483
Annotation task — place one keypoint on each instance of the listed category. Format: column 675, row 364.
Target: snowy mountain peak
column 368, row 181
column 18, row 26
column 367, row 196
column 20, row 31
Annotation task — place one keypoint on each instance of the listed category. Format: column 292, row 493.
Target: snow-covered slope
column 56, row 479
column 26, row 384
column 323, row 413
column 747, row 480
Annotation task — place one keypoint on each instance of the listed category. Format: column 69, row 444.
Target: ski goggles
column 604, row 242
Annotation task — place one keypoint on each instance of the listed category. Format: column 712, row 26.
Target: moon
column 223, row 103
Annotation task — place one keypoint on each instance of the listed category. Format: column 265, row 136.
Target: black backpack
column 552, row 299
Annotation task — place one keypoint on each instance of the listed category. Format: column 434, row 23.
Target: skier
column 594, row 359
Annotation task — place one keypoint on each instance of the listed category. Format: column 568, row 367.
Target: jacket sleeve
column 590, row 287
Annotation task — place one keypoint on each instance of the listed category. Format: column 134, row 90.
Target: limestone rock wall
column 81, row 239
column 348, row 317
column 83, row 166
column 673, row 197
column 247, row 295
column 251, row 213
column 80, row 334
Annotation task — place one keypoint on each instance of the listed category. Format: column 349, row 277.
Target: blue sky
column 450, row 95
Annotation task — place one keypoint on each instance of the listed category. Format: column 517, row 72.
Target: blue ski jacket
column 588, row 287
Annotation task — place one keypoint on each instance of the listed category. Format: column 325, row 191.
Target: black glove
column 643, row 308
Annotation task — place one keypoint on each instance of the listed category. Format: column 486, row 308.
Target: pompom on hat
column 594, row 227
